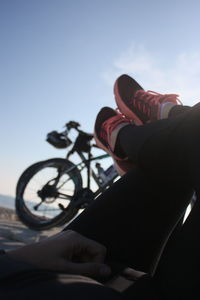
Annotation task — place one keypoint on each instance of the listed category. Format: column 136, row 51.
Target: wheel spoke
column 64, row 196
column 63, row 183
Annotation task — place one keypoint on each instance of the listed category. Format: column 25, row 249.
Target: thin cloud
column 181, row 76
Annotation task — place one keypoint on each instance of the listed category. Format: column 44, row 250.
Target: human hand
column 68, row 252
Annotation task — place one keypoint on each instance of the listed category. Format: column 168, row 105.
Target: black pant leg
column 133, row 218
column 167, row 149
column 177, row 274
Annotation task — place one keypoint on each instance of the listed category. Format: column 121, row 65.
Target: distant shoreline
column 8, row 214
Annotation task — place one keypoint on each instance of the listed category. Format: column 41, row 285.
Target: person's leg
column 143, row 207
column 133, row 218
column 140, row 210
column 134, row 103
column 177, row 110
column 168, row 148
column 174, row 151
column 129, row 144
column 178, row 271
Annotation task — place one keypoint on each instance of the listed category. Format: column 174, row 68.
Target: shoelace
column 144, row 101
column 109, row 125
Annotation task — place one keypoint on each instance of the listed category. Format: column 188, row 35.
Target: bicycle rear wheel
column 44, row 193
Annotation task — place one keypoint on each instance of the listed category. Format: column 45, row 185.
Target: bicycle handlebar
column 75, row 125
column 72, row 124
column 56, row 137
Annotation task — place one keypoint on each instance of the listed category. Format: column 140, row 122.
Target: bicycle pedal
column 61, row 206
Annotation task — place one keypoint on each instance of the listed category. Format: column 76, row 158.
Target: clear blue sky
column 59, row 60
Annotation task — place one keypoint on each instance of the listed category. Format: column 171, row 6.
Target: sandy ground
column 14, row 234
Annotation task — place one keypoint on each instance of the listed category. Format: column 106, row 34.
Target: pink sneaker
column 140, row 106
column 107, row 126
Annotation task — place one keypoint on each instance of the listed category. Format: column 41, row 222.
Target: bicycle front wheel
column 44, row 192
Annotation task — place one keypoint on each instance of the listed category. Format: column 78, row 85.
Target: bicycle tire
column 29, row 217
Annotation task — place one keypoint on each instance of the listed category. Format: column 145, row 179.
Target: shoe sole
column 117, row 163
column 119, row 170
column 124, row 88
column 108, row 112
column 102, row 146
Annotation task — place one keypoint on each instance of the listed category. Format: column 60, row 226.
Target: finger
column 93, row 270
column 93, row 249
column 86, row 255
column 83, row 249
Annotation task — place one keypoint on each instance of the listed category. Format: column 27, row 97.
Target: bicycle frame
column 86, row 163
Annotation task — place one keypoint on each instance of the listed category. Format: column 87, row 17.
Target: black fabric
column 50, row 286
column 167, row 149
column 178, row 271
column 177, row 110
column 143, row 289
column 133, row 220
column 167, row 156
column 136, row 216
column 2, row 252
column 12, row 268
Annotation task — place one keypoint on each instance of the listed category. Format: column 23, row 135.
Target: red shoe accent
column 107, row 126
column 140, row 106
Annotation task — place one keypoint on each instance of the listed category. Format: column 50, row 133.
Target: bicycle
column 57, row 183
